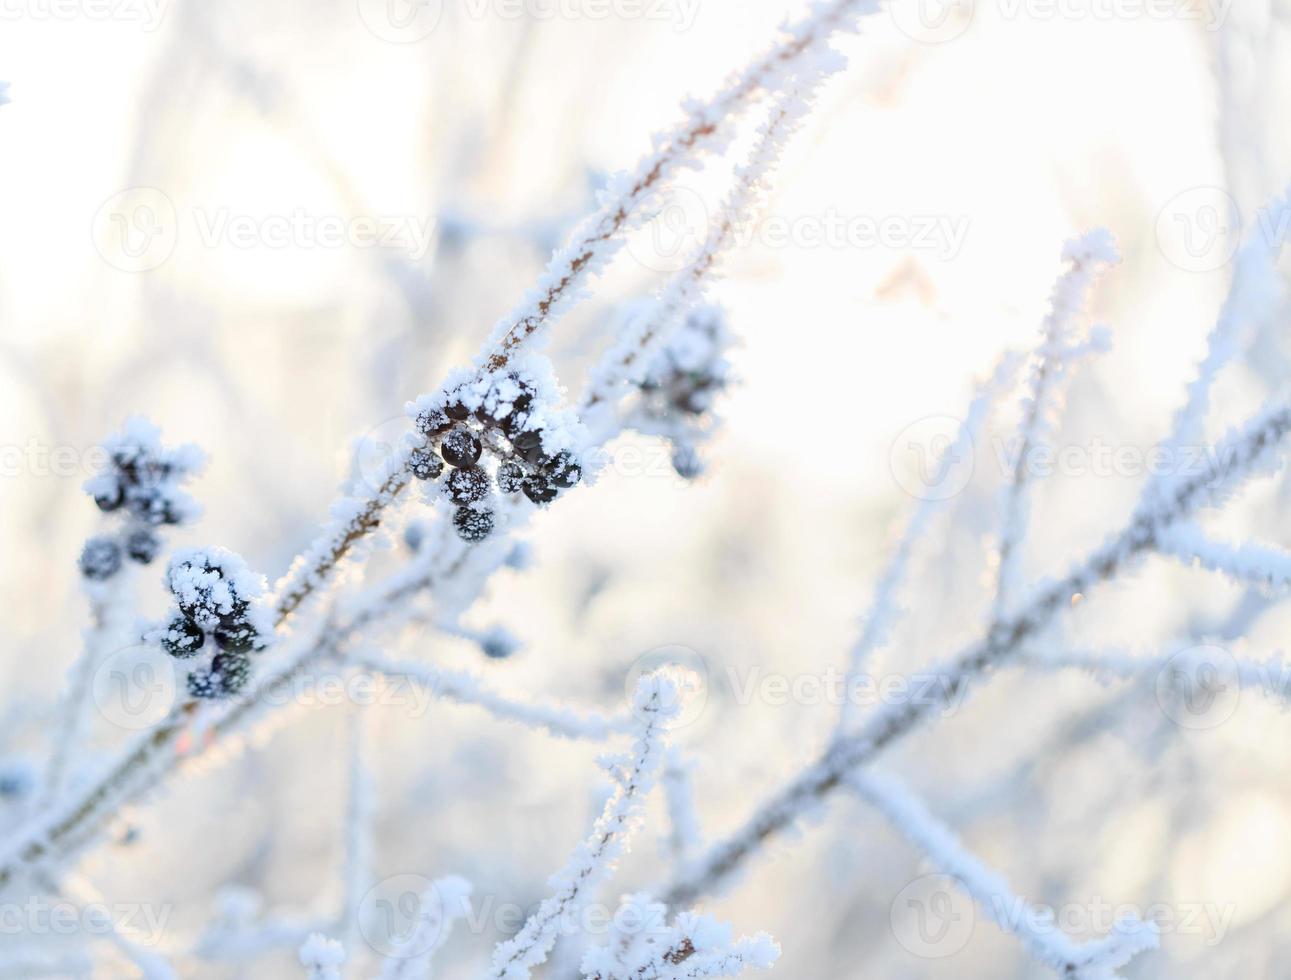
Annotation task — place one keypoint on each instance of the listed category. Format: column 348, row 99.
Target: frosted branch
column 1052, row 361
column 1033, row 927
column 466, row 688
column 1234, row 458
column 657, row 700
column 1253, row 564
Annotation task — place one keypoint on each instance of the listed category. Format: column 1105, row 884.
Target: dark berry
column 457, row 410
column 240, row 638
column 511, row 477
column 110, row 500
column 143, row 545
column 232, row 669
column 100, row 559
column 414, row 535
column 154, row 508
column 182, row 638
column 425, row 464
column 528, row 445
column 196, row 585
column 497, row 646
column 473, row 525
column 236, row 616
column 468, row 485
column 432, row 422
column 515, row 422
column 563, row 470
column 539, row 489
column 203, row 684
column 460, row 448
column 686, row 461
column 509, row 401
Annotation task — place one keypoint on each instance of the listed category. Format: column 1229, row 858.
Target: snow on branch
column 466, row 688
column 706, row 126
column 646, row 948
column 322, row 958
column 1057, row 352
column 627, row 360
column 1193, row 669
column 1253, row 296
column 447, row 900
column 1254, row 564
column 1233, row 459
column 1033, row 927
column 657, row 700
column 885, row 610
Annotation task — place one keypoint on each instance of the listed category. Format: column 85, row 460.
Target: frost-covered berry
column 100, row 559
column 212, row 587
column 154, row 507
column 511, row 477
column 509, row 398
column 563, row 470
column 528, row 445
column 686, row 462
column 472, row 524
column 237, row 638
column 498, row 644
column 182, row 638
column 433, row 422
column 233, row 670
column 203, row 684
column 143, row 545
column 414, row 536
column 539, row 489
column 425, row 464
column 457, row 410
column 110, row 499
column 460, row 448
column 516, row 422
column 468, row 485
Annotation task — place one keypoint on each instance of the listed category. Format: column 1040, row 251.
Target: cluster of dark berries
column 214, row 596
column 678, row 391
column 102, row 556
column 499, row 416
column 140, row 482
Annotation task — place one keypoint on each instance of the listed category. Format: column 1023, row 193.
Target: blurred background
column 267, row 226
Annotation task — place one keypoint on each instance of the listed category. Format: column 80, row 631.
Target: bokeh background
column 152, row 154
